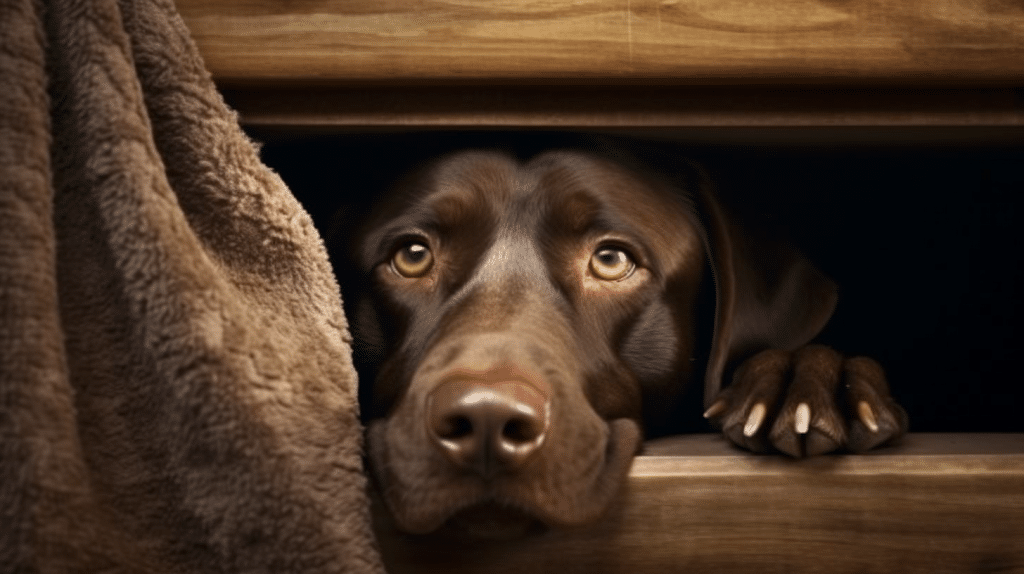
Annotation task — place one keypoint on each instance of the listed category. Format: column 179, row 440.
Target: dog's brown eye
column 611, row 264
column 413, row 260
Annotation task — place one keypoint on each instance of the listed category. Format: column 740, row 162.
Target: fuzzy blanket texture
column 176, row 392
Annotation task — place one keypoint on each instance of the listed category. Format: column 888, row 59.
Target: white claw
column 802, row 418
column 715, row 409
column 754, row 420
column 867, row 416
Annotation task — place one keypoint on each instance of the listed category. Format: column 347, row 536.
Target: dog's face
column 518, row 321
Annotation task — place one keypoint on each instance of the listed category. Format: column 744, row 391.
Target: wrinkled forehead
column 467, row 184
column 586, row 189
column 556, row 180
column 476, row 183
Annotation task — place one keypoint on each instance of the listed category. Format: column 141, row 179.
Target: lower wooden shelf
column 934, row 503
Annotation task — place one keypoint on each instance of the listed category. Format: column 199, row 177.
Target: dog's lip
column 624, row 442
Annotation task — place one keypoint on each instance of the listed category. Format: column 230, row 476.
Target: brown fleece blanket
column 176, row 392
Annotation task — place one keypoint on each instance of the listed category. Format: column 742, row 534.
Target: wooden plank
column 571, row 41
column 937, row 503
column 648, row 107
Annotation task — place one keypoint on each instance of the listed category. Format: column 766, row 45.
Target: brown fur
column 176, row 391
column 510, row 291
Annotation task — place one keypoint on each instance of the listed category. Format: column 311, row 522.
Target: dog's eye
column 413, row 260
column 611, row 264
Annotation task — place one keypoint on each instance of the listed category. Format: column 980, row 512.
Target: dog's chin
column 492, row 521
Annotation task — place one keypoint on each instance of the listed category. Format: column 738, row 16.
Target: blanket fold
column 176, row 392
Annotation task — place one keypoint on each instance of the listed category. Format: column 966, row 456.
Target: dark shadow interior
column 921, row 237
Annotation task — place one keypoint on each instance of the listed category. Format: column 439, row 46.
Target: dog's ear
column 769, row 296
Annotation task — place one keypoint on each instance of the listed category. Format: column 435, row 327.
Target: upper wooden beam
column 948, row 42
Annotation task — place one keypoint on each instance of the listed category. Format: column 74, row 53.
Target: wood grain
column 937, row 503
column 683, row 41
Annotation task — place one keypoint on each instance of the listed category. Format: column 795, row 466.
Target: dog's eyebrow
column 576, row 198
column 440, row 214
column 379, row 244
column 428, row 214
column 582, row 213
column 396, row 233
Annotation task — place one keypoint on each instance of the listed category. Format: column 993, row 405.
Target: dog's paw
column 807, row 402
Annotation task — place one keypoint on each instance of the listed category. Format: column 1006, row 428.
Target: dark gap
column 923, row 241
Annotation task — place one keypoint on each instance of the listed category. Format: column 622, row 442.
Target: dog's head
column 518, row 322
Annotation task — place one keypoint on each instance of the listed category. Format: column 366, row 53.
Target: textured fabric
column 176, row 388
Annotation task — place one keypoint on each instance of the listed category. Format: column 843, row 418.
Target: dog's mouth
column 423, row 499
column 492, row 521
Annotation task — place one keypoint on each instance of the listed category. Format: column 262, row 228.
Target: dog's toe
column 745, row 427
column 875, row 418
column 809, row 422
column 807, row 431
column 747, row 408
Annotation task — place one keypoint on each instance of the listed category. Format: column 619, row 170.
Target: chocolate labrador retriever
column 520, row 321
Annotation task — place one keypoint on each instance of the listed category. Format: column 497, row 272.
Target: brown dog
column 520, row 322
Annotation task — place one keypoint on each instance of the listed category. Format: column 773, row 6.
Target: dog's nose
column 488, row 427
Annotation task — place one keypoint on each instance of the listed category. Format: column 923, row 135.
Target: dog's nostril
column 455, row 427
column 519, row 430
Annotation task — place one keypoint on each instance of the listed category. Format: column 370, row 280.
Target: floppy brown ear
column 768, row 294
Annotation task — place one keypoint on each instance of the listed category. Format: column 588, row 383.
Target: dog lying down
column 520, row 322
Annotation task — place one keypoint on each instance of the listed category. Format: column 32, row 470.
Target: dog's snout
column 488, row 427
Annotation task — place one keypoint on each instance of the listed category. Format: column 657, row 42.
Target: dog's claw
column 811, row 403
column 754, row 420
column 802, row 418
column 717, row 408
column 867, row 416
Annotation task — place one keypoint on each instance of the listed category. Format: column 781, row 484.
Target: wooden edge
column 921, row 453
column 934, row 503
column 621, row 107
column 914, row 444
